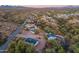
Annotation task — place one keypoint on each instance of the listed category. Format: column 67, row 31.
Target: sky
column 45, row 3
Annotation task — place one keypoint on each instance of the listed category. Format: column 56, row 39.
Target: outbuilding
column 51, row 36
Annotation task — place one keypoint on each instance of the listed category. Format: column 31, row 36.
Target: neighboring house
column 51, row 36
column 31, row 27
column 60, row 36
column 29, row 21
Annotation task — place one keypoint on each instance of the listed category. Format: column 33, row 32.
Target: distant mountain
column 74, row 6
column 70, row 6
column 41, row 9
column 64, row 7
column 8, row 6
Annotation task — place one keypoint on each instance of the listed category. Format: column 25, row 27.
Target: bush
column 18, row 46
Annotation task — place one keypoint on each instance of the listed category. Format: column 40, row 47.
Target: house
column 31, row 41
column 29, row 21
column 60, row 36
column 51, row 36
column 31, row 27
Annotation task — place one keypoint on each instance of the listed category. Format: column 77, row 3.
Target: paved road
column 11, row 37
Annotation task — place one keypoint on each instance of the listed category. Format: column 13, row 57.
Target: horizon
column 41, row 6
column 38, row 6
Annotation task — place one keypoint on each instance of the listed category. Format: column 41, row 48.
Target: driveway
column 11, row 37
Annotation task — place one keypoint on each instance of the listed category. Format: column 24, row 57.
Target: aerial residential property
column 39, row 29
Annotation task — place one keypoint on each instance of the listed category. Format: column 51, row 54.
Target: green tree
column 19, row 46
column 74, row 48
column 55, row 47
column 11, row 47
